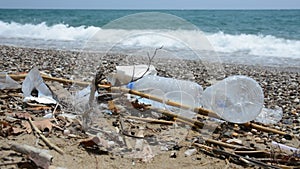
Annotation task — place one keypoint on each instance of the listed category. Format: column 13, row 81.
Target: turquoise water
column 279, row 23
column 234, row 34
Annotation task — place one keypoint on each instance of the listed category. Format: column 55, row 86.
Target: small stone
column 297, row 100
column 173, row 154
column 254, row 131
column 67, row 132
column 258, row 140
column 164, row 148
column 249, row 134
column 234, row 134
column 235, row 141
column 190, row 152
column 283, row 140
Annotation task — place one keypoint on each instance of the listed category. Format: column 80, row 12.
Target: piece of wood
column 263, row 128
column 150, row 120
column 48, row 143
column 39, row 156
column 220, row 143
column 241, row 158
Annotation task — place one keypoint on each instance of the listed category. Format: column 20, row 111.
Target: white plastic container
column 237, row 99
column 126, row 73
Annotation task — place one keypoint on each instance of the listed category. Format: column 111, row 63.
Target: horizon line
column 159, row 8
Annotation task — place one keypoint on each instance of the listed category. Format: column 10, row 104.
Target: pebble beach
column 280, row 84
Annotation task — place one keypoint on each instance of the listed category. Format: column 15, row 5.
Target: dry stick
column 48, row 143
column 53, row 113
column 12, row 163
column 224, row 144
column 125, row 138
column 263, row 128
column 151, row 120
column 197, row 110
column 228, row 154
column 65, row 81
column 185, row 122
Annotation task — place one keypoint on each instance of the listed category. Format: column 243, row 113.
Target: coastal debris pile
column 104, row 119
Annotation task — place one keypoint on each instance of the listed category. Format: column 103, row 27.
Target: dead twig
column 263, row 128
column 150, row 120
column 225, row 144
column 48, row 143
column 149, row 64
column 238, row 157
column 122, row 125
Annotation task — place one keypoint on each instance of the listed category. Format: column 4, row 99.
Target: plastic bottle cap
column 130, row 85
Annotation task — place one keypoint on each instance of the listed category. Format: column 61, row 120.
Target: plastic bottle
column 269, row 116
column 181, row 91
column 237, row 99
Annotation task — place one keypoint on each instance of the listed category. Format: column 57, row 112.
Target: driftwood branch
column 48, row 143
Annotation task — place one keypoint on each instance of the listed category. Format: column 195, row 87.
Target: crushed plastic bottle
column 6, row 82
column 181, row 91
column 236, row 99
column 33, row 81
column 269, row 116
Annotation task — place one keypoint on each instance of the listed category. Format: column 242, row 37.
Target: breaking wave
column 250, row 44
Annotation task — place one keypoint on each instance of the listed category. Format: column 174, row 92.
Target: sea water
column 265, row 37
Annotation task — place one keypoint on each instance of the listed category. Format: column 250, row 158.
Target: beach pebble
column 190, row 152
column 235, row 141
column 254, row 131
column 173, row 154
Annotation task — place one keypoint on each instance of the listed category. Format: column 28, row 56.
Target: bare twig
column 225, row 144
column 149, row 64
column 151, row 120
column 263, row 128
column 122, row 130
column 48, row 143
column 53, row 113
column 241, row 158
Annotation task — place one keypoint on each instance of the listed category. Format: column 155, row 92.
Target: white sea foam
column 42, row 31
column 260, row 45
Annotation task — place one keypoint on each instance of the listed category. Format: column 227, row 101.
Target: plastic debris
column 35, row 81
column 181, row 91
column 6, row 82
column 81, row 98
column 237, row 99
column 126, row 73
column 286, row 148
column 269, row 116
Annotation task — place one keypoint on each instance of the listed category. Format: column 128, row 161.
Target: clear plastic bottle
column 237, row 99
column 181, row 91
column 270, row 116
